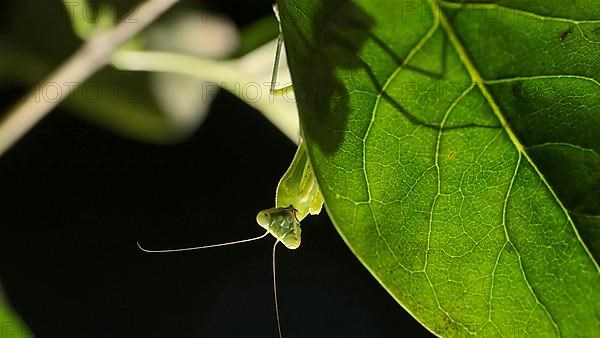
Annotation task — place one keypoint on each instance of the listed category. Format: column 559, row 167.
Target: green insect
column 298, row 192
column 297, row 196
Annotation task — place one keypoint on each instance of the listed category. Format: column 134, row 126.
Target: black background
column 75, row 199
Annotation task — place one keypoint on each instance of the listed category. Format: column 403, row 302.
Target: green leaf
column 456, row 147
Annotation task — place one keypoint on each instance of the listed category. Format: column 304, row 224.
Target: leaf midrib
column 479, row 81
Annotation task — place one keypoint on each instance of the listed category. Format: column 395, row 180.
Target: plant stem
column 224, row 74
column 91, row 57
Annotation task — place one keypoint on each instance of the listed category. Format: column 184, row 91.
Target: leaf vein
column 541, row 77
column 476, row 77
column 577, row 23
column 455, row 5
column 570, row 145
column 409, row 57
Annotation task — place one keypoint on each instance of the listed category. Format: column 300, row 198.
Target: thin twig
column 91, row 57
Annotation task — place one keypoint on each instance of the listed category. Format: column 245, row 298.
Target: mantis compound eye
column 264, row 219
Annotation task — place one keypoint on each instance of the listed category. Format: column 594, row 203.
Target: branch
column 91, row 57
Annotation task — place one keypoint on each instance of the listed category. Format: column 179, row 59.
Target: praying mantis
column 298, row 192
column 297, row 195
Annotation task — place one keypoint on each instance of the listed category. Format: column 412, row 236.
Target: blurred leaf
column 450, row 142
column 10, row 324
column 257, row 34
column 186, row 99
column 82, row 27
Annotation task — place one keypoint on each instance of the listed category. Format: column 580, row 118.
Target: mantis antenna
column 275, row 291
column 234, row 243
column 204, row 246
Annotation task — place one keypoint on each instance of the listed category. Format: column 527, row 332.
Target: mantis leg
column 287, row 89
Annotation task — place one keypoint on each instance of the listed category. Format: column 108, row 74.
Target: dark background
column 76, row 198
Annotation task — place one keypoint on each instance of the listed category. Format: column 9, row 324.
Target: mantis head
column 283, row 224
